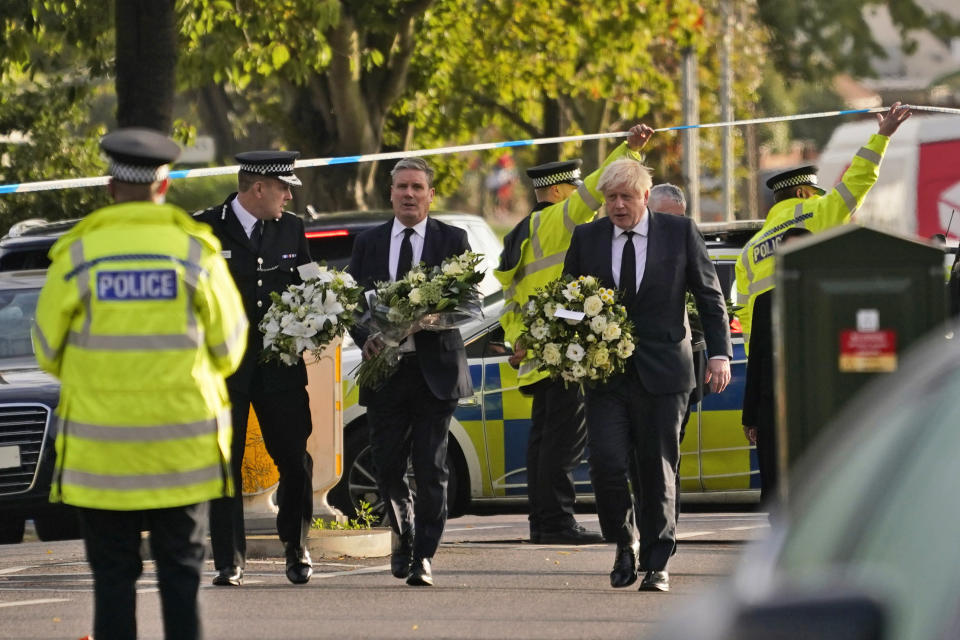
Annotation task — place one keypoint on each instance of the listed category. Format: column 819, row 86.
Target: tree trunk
column 146, row 63
column 552, row 127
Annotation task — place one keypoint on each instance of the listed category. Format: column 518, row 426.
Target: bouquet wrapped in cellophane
column 576, row 329
column 306, row 317
column 425, row 299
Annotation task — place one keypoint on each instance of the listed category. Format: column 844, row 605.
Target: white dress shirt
column 416, row 241
column 247, row 219
column 639, row 247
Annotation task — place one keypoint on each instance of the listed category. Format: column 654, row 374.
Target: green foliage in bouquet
column 423, row 299
column 696, row 325
column 587, row 349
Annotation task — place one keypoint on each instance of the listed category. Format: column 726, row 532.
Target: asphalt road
column 489, row 584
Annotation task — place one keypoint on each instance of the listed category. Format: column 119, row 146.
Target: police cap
column 547, row 175
column 272, row 164
column 799, row 177
column 139, row 156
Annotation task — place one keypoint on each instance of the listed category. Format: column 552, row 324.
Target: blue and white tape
column 73, row 183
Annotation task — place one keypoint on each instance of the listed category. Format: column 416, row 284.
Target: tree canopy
column 346, row 77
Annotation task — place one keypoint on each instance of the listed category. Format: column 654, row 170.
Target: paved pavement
column 490, row 584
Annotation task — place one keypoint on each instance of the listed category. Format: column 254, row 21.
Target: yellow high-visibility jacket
column 755, row 266
column 542, row 252
column 141, row 322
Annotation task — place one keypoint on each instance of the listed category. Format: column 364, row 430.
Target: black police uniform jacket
column 283, row 248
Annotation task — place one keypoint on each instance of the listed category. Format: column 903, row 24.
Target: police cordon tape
column 73, row 183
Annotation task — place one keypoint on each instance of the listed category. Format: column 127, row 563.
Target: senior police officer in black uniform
column 263, row 246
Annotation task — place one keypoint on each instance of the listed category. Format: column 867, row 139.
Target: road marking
column 23, row 603
column 13, row 570
column 492, row 526
column 334, row 574
column 692, row 534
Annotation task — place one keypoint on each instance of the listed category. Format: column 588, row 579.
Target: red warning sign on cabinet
column 868, row 351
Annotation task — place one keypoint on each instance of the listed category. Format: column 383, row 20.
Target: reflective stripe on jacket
column 141, row 322
column 542, row 253
column 755, row 266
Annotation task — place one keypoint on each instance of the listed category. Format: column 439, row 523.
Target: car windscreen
column 26, row 258
column 17, row 310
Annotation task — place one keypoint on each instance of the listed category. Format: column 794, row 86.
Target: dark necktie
column 405, row 261
column 628, row 269
column 257, row 234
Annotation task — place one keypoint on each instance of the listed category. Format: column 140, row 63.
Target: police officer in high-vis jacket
column 800, row 202
column 141, row 322
column 532, row 256
column 263, row 246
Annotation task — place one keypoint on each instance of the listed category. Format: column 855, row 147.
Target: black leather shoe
column 420, row 573
column 400, row 559
column 299, row 566
column 229, row 577
column 624, row 571
column 572, row 535
column 655, row 581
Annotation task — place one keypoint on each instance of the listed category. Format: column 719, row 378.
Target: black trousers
column 285, row 423
column 624, row 420
column 112, row 541
column 408, row 422
column 558, row 436
column 767, row 461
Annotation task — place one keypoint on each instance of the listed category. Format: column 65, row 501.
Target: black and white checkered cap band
column 795, row 181
column 132, row 173
column 278, row 168
column 556, row 178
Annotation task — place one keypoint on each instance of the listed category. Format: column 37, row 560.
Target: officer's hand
column 373, row 346
column 517, row 357
column 751, row 434
column 639, row 135
column 718, row 374
column 892, row 119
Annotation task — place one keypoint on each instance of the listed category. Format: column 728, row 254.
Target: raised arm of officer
column 640, row 134
column 890, row 121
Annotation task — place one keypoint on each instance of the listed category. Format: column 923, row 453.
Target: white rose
column 575, row 352
column 598, row 324
column 592, row 306
column 601, row 358
column 611, row 331
column 416, row 297
column 551, row 353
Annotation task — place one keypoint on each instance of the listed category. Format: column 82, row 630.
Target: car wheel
column 58, row 525
column 11, row 530
column 359, row 481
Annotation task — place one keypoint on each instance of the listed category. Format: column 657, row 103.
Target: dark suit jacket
column 677, row 260
column 283, row 248
column 441, row 355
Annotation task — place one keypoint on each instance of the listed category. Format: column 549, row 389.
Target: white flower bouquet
column 308, row 316
column 576, row 330
column 442, row 297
